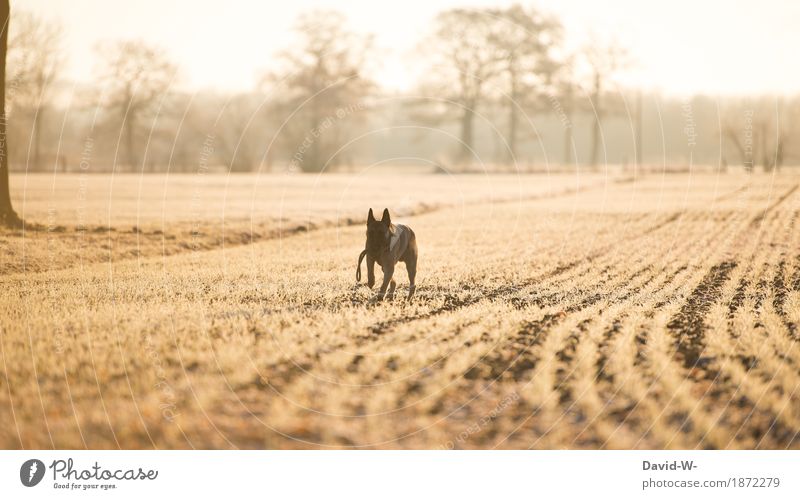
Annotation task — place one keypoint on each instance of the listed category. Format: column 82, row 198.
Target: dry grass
column 106, row 218
column 551, row 312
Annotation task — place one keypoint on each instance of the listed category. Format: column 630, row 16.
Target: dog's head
column 378, row 232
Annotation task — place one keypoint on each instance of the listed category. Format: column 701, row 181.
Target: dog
column 388, row 244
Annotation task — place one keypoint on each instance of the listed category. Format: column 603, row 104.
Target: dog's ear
column 386, row 219
column 370, row 217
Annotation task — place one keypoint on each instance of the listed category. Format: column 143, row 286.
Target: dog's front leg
column 370, row 271
column 388, row 272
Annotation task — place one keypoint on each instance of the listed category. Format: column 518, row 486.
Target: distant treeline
column 501, row 94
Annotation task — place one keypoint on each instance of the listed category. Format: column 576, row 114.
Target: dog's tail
column 358, row 269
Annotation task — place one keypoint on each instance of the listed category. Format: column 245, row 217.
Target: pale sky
column 715, row 47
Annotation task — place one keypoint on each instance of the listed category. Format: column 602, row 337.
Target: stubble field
column 552, row 311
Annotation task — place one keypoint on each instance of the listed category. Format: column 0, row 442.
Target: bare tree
column 241, row 138
column 136, row 78
column 604, row 61
column 524, row 41
column 465, row 63
column 34, row 61
column 759, row 130
column 786, row 121
column 325, row 88
column 735, row 132
column 564, row 105
column 7, row 214
column 773, row 122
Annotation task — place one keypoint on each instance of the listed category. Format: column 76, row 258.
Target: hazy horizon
column 680, row 48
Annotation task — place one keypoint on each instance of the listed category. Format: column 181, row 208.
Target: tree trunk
column 129, row 145
column 513, row 117
column 37, row 141
column 766, row 163
column 595, row 139
column 566, row 108
column 512, row 134
column 730, row 133
column 597, row 121
column 312, row 157
column 639, row 118
column 7, row 214
column 568, row 140
column 466, row 151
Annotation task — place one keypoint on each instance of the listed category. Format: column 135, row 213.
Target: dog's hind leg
column 411, row 266
column 410, row 259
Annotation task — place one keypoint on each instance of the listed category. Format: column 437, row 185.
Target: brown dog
column 388, row 244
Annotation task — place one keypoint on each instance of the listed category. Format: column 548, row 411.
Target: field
column 552, row 311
